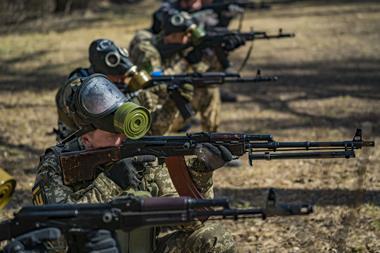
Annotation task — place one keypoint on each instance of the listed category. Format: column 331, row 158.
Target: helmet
column 108, row 59
column 94, row 102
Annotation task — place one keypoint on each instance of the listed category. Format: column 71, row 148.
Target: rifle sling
column 181, row 179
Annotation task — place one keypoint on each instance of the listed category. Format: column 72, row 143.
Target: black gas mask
column 108, row 59
column 174, row 21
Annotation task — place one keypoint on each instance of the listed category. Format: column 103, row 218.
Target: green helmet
column 94, row 102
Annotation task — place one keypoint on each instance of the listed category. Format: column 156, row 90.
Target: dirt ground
column 329, row 85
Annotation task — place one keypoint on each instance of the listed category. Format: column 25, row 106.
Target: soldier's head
column 110, row 60
column 190, row 4
column 177, row 27
column 100, row 113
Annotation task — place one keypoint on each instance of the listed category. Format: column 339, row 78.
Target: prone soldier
column 104, row 118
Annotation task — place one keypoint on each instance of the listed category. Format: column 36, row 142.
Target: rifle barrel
column 339, row 144
column 302, row 155
column 265, row 36
column 251, row 79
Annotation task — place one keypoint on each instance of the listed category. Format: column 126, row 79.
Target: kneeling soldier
column 104, row 118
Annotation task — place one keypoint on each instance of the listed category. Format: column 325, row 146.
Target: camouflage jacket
column 144, row 53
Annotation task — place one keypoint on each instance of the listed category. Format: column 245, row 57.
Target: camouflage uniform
column 155, row 181
column 163, row 109
column 206, row 101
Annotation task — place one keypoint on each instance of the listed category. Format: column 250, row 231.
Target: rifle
column 129, row 213
column 198, row 80
column 208, row 78
column 215, row 39
column 81, row 165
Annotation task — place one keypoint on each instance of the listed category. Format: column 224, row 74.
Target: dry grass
column 329, row 77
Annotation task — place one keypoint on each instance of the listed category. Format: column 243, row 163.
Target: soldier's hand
column 233, row 42
column 32, row 241
column 100, row 241
column 148, row 99
column 213, row 156
column 160, row 90
column 124, row 172
column 187, row 91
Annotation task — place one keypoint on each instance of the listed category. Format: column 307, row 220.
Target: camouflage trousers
column 211, row 238
column 207, row 102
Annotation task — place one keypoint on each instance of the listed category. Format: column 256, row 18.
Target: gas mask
column 106, row 58
column 96, row 103
column 174, row 21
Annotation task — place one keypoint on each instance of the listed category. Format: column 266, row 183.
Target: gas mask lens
column 112, row 59
column 177, row 20
column 99, row 96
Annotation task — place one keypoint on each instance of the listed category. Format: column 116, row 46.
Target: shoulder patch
column 39, row 197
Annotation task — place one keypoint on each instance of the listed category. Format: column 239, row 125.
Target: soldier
column 207, row 20
column 97, row 241
column 160, row 52
column 107, row 58
column 98, row 109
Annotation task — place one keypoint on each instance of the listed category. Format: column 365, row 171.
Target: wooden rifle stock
column 73, row 163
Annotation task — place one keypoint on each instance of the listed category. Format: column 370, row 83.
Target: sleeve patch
column 39, row 197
